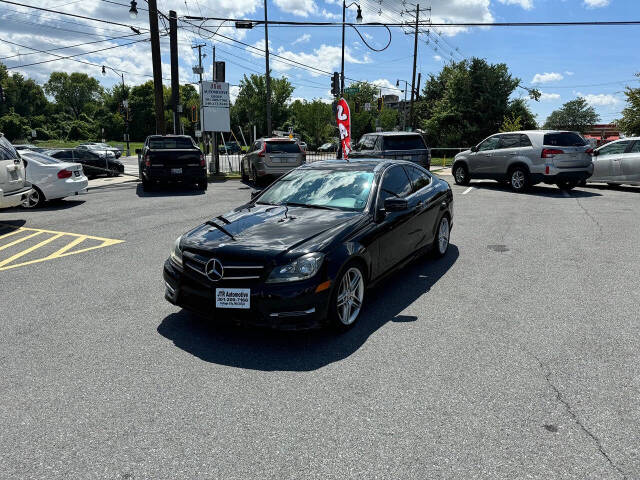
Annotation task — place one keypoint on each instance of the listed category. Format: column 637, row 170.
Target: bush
column 14, row 127
column 79, row 130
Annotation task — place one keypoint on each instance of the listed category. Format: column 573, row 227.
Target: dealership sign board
column 343, row 117
column 214, row 107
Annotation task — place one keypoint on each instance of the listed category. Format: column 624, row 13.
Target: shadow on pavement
column 261, row 349
column 177, row 190
column 540, row 190
column 8, row 226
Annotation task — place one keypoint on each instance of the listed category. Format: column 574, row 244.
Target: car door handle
column 513, row 154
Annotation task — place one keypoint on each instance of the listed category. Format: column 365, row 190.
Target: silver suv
column 271, row 158
column 526, row 158
column 14, row 189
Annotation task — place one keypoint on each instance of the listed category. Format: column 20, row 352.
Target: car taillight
column 202, row 162
column 551, row 152
column 261, row 152
column 589, row 151
column 64, row 173
column 147, row 161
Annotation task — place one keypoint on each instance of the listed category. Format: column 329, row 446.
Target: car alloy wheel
column 460, row 175
column 350, row 296
column 33, row 199
column 518, row 180
column 443, row 236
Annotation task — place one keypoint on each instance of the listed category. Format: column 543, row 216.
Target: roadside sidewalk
column 441, row 172
column 109, row 181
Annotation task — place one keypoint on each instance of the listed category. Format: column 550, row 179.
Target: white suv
column 14, row 189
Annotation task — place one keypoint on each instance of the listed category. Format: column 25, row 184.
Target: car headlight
column 176, row 253
column 300, row 269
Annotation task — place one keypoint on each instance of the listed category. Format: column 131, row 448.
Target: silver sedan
column 617, row 163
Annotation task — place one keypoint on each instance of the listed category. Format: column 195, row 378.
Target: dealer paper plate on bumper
column 233, row 297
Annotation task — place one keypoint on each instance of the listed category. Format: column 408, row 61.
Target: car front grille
column 232, row 270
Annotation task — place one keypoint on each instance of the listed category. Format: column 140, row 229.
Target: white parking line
column 467, row 190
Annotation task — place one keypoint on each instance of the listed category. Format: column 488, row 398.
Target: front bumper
column 13, row 199
column 284, row 306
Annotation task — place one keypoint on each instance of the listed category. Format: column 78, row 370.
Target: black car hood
column 268, row 230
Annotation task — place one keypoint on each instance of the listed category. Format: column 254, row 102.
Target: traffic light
column 335, row 84
column 194, row 114
column 357, row 107
column 379, row 104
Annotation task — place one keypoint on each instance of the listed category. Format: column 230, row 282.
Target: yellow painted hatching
column 14, row 238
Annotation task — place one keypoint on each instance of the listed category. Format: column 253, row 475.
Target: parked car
column 52, row 179
column 271, row 157
column 92, row 163
column 14, row 187
column 408, row 146
column 29, row 147
column 105, row 146
column 328, row 147
column 101, row 151
column 230, row 148
column 302, row 252
column 527, row 158
column 617, row 163
column 171, row 159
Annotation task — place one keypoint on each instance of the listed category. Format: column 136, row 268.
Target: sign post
column 343, row 117
column 214, row 110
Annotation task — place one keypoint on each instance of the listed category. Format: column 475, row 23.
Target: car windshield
column 564, row 139
column 403, row 142
column 282, row 147
column 322, row 188
column 40, row 158
column 172, row 143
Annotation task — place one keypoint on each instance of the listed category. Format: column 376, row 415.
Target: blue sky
column 563, row 62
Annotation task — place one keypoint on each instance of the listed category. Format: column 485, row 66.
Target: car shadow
column 54, row 205
column 270, row 350
column 617, row 188
column 540, row 190
column 169, row 191
column 8, row 226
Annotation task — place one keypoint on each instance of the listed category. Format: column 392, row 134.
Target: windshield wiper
column 222, row 229
column 308, row 205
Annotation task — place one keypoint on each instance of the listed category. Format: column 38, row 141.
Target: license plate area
column 77, row 173
column 13, row 175
column 176, row 171
column 239, row 298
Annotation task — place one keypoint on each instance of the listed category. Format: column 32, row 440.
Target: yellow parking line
column 20, row 240
column 17, row 230
column 30, row 249
column 67, row 247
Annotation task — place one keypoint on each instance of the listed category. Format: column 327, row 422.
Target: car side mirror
column 395, row 204
column 138, row 151
column 474, row 148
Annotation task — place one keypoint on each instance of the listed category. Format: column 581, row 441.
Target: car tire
column 566, row 185
column 519, row 179
column 461, row 174
column 202, row 186
column 440, row 244
column 256, row 181
column 582, row 183
column 35, row 199
column 347, row 298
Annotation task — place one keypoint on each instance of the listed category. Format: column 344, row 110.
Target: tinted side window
column 490, row 143
column 564, row 139
column 7, row 152
column 636, row 147
column 395, row 183
column 379, row 143
column 367, row 142
column 404, row 142
column 510, row 141
column 615, row 148
column 419, row 179
column 525, row 141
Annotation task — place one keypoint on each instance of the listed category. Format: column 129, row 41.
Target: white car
column 52, row 179
column 102, row 151
column 617, row 163
column 14, row 189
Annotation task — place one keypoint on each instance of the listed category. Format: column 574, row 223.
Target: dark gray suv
column 526, row 158
column 408, row 146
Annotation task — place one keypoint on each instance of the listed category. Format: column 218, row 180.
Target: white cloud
column 329, row 15
column 304, row 38
column 437, row 58
column 234, row 90
column 386, row 86
column 301, row 8
column 596, row 3
column 546, row 77
column 569, row 74
column 526, row 4
column 549, row 97
column 600, row 100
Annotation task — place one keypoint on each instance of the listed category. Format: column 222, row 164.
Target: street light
column 359, row 15
column 133, row 11
column 125, row 103
column 404, row 104
column 358, row 20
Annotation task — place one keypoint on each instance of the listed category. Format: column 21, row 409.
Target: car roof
column 370, row 164
column 394, row 134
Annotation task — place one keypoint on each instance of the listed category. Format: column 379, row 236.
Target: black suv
column 408, row 146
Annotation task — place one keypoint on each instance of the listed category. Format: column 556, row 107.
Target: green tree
column 250, row 106
column 630, row 121
column 388, row 119
column 466, row 102
column 576, row 115
column 14, row 126
column 313, row 121
column 73, row 92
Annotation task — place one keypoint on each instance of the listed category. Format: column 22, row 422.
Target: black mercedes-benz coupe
column 303, row 252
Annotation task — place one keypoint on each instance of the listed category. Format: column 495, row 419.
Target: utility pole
column 125, row 105
column 199, row 72
column 156, row 60
column 415, row 57
column 266, row 56
column 216, row 155
column 344, row 16
column 175, row 81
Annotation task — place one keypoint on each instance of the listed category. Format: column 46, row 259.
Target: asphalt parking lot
column 515, row 356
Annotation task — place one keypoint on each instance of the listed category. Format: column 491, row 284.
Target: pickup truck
column 14, row 189
column 169, row 159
